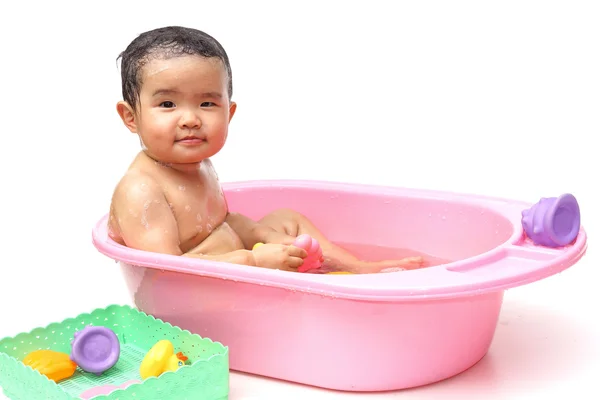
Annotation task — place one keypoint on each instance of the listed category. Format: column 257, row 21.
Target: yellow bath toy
column 340, row 273
column 55, row 365
column 161, row 358
column 257, row 245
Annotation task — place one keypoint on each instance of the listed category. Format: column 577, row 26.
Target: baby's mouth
column 190, row 140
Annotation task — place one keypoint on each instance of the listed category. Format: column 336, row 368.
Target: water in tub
column 371, row 252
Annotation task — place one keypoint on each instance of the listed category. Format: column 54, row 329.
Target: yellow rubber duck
column 161, row 358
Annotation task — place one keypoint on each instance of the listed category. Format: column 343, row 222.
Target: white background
column 496, row 98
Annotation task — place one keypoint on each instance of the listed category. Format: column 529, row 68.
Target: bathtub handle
column 528, row 261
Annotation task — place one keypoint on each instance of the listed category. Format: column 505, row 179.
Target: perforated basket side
column 206, row 376
column 23, row 383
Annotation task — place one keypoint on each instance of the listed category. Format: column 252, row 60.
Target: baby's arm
column 147, row 223
column 249, row 231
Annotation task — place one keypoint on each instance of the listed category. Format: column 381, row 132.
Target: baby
column 177, row 90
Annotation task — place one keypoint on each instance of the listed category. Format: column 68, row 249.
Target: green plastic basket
column 205, row 376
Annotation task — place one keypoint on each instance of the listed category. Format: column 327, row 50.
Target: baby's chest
column 198, row 210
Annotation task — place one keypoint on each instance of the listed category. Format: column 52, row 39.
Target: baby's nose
column 189, row 120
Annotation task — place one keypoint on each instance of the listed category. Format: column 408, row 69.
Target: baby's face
column 184, row 109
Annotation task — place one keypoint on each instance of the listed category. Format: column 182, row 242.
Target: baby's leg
column 294, row 224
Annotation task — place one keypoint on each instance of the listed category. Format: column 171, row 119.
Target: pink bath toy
column 105, row 390
column 552, row 222
column 315, row 254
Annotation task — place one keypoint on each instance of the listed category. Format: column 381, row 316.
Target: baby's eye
column 167, row 104
column 207, row 104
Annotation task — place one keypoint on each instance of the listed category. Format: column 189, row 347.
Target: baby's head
column 177, row 89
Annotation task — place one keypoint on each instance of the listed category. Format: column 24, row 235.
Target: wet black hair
column 170, row 41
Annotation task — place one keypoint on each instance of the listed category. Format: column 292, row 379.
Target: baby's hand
column 279, row 256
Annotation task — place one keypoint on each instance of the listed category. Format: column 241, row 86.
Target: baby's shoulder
column 137, row 186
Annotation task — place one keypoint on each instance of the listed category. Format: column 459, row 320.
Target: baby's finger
column 295, row 262
column 297, row 252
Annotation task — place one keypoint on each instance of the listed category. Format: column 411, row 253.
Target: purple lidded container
column 95, row 349
column 553, row 221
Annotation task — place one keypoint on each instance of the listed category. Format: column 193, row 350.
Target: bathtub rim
column 418, row 284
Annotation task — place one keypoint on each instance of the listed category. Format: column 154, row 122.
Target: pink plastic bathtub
column 370, row 332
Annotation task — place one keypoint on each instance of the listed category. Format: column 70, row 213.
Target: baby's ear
column 127, row 115
column 232, row 108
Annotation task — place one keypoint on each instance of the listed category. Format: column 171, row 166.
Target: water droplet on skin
column 143, row 187
column 188, row 208
column 147, row 204
column 182, row 188
column 199, row 228
column 199, row 217
column 157, row 201
column 209, row 227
